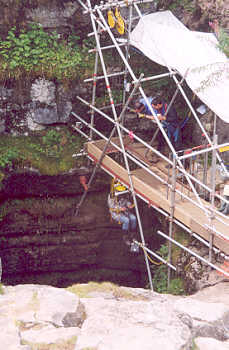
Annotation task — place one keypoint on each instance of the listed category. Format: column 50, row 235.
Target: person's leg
column 133, row 227
column 125, row 222
column 222, row 206
column 125, row 227
column 133, row 222
column 161, row 142
column 171, row 135
column 226, row 209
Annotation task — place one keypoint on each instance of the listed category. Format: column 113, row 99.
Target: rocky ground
column 104, row 316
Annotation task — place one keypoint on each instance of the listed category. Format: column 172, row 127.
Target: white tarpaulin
column 195, row 55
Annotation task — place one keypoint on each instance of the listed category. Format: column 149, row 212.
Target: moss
column 1, row 289
column 194, row 346
column 85, row 290
column 49, row 151
column 60, row 345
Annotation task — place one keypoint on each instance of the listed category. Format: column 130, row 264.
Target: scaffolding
column 182, row 185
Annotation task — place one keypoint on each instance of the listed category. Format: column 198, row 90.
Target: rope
column 150, row 259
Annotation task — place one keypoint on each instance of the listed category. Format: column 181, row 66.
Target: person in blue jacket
column 170, row 120
column 142, row 106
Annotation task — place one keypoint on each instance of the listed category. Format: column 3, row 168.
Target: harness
column 118, row 210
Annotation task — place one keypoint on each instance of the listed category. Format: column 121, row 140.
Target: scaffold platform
column 185, row 194
column 157, row 194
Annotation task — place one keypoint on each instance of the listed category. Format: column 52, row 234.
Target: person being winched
column 120, row 210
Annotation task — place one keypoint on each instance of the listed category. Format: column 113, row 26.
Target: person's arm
column 160, row 117
column 130, row 205
column 140, row 109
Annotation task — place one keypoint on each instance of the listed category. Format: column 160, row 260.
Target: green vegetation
column 224, row 41
column 9, row 156
column 49, row 151
column 160, row 279
column 182, row 238
column 176, row 287
column 34, row 52
column 187, row 5
column 1, row 289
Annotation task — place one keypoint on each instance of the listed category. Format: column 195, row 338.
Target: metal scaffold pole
column 213, row 181
column 117, row 127
column 123, row 151
column 94, row 88
column 171, row 217
column 190, row 192
column 125, row 88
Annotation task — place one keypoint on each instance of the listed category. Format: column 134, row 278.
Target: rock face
column 31, row 105
column 39, row 103
column 111, row 317
column 47, row 108
column 42, row 241
column 196, row 274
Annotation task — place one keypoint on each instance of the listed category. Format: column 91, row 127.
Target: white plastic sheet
column 195, row 55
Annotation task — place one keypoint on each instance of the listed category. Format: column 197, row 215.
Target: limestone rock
column 49, row 335
column 52, row 16
column 46, row 107
column 113, row 324
column 201, row 310
column 43, row 91
column 211, row 344
column 31, row 124
column 112, row 318
column 35, row 314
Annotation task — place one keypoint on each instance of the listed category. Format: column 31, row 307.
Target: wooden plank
column 154, row 191
column 108, row 163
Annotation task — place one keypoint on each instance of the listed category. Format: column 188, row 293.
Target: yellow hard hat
column 119, row 188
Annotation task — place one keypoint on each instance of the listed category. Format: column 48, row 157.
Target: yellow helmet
column 117, row 186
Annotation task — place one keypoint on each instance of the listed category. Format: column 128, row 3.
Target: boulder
column 110, row 317
column 49, row 104
column 211, row 344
